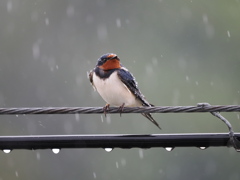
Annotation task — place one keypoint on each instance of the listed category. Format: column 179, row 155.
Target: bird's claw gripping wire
column 107, row 106
column 233, row 141
column 120, row 109
column 106, row 109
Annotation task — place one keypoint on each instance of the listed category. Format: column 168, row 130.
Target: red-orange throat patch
column 110, row 64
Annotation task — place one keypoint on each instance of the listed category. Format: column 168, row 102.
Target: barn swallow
column 117, row 86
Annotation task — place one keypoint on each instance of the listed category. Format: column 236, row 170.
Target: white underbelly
column 114, row 92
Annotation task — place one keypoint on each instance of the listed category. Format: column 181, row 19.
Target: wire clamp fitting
column 233, row 141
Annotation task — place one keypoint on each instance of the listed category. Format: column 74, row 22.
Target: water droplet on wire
column 7, row 151
column 169, row 148
column 55, row 150
column 108, row 149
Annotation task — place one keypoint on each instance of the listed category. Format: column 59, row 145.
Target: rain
column 180, row 52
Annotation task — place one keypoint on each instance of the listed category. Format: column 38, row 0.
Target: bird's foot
column 120, row 109
column 106, row 109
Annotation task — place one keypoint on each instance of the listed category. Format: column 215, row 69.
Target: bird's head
column 109, row 61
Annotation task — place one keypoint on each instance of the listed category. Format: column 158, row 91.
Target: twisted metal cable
column 99, row 110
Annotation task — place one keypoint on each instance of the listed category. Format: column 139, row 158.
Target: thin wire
column 99, row 110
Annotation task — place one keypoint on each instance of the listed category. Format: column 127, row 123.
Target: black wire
column 202, row 140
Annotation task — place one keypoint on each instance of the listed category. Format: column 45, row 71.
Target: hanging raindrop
column 108, row 149
column 169, row 148
column 55, row 150
column 7, row 151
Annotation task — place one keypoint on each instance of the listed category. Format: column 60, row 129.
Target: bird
column 117, row 86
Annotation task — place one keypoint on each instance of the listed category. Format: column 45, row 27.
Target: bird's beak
column 114, row 57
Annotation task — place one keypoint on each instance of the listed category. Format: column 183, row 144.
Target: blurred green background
column 181, row 52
